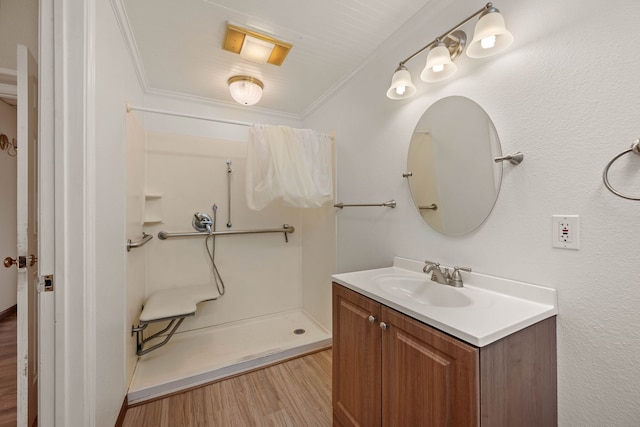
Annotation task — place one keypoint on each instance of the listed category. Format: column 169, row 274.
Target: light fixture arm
column 486, row 9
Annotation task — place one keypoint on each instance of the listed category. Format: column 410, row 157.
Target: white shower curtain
column 287, row 163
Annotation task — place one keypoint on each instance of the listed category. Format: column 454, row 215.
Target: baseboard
column 123, row 412
column 8, row 312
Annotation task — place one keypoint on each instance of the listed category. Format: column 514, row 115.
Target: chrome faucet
column 444, row 277
column 202, row 222
column 437, row 275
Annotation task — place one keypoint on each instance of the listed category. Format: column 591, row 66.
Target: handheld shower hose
column 212, row 254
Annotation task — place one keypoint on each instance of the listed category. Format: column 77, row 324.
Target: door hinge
column 46, row 283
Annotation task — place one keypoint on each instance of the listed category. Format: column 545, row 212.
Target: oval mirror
column 454, row 180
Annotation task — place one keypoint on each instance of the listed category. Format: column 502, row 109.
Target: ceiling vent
column 254, row 46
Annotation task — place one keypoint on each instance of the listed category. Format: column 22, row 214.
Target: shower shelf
column 152, row 208
column 152, row 220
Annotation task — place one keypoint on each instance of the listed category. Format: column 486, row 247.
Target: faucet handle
column 456, row 277
column 435, row 264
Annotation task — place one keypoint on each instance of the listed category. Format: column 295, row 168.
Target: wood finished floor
column 8, row 364
column 294, row 393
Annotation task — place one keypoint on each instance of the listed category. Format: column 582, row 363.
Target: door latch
column 46, row 283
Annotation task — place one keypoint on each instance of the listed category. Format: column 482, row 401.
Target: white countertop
column 484, row 310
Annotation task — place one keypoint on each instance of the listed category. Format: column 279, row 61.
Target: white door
column 27, row 237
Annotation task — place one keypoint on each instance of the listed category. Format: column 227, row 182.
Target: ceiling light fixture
column 245, row 90
column 254, row 46
column 256, row 50
column 489, row 38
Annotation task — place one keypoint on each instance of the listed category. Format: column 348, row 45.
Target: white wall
column 566, row 94
column 8, row 276
column 18, row 25
column 116, row 83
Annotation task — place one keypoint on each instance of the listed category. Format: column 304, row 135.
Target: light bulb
column 400, row 90
column 438, row 68
column 488, row 42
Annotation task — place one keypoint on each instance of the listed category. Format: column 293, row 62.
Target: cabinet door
column 428, row 377
column 356, row 359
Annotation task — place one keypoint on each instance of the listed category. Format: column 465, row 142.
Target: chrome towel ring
column 635, row 148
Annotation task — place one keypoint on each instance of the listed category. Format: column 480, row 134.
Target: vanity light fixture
column 254, row 46
column 489, row 38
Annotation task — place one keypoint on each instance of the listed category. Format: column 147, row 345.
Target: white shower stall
column 277, row 300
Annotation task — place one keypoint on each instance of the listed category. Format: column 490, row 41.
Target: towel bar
column 389, row 204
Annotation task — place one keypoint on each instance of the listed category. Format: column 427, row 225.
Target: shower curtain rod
column 130, row 107
column 189, row 116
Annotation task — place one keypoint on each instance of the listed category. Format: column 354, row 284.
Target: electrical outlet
column 565, row 231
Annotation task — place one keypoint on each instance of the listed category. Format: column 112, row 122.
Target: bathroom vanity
column 410, row 352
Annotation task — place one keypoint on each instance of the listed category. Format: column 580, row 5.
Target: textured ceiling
column 178, row 44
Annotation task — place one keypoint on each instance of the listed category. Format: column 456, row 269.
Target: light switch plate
column 565, row 231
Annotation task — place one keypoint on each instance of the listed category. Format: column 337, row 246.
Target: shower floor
column 204, row 355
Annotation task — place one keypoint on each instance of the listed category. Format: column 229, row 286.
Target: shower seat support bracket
column 172, row 327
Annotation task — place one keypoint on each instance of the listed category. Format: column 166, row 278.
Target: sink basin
column 422, row 290
column 484, row 310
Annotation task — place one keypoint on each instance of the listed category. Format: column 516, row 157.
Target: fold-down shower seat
column 173, row 306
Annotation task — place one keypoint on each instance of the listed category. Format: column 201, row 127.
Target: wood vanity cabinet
column 391, row 370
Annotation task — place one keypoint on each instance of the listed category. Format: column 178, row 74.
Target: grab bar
column 389, row 204
column 286, row 228
column 229, row 170
column 635, row 148
column 432, row 206
column 145, row 238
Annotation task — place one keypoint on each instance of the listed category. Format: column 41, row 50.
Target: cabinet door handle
column 383, row 326
column 372, row 319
